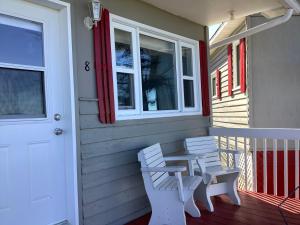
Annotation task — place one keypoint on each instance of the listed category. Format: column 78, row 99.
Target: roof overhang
column 209, row 12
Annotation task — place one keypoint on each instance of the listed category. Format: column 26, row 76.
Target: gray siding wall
column 229, row 111
column 111, row 186
column 275, row 56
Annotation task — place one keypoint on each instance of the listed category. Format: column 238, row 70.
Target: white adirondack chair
column 216, row 179
column 170, row 196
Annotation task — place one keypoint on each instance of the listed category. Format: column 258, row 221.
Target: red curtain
column 218, row 83
column 230, row 75
column 242, row 62
column 204, row 78
column 103, row 67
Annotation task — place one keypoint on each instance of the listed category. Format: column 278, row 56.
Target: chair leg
column 166, row 211
column 232, row 189
column 191, row 208
column 202, row 194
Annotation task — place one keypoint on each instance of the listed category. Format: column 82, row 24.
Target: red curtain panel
column 242, row 62
column 230, row 75
column 204, row 78
column 103, row 68
column 218, row 83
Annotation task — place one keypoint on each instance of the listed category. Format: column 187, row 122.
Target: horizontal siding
column 229, row 111
column 112, row 186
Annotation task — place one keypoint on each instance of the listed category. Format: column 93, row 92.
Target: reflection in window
column 158, row 69
column 21, row 41
column 125, row 91
column 21, row 93
column 188, row 88
column 123, row 48
column 187, row 67
column 214, row 88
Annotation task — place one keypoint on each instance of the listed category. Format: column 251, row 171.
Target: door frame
column 71, row 170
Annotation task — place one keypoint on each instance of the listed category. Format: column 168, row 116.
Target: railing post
column 297, row 167
column 275, row 166
column 265, row 166
column 254, row 165
column 246, row 163
column 227, row 146
column 286, row 172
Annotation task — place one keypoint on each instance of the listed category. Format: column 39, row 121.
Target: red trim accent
column 103, row 68
column 218, row 83
column 230, row 75
column 280, row 172
column 204, row 78
column 243, row 64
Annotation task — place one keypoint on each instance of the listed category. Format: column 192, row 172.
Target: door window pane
column 123, row 48
column 188, row 87
column 21, row 94
column 21, row 41
column 187, row 63
column 158, row 67
column 125, row 91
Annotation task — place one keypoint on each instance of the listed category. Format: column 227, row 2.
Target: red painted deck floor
column 256, row 209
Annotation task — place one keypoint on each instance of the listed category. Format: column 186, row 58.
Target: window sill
column 156, row 115
column 236, row 88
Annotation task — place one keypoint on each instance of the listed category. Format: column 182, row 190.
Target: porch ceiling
column 208, row 12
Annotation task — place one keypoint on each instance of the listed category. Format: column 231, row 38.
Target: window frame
column 137, row 29
column 191, row 78
column 120, row 69
column 43, row 68
column 214, row 86
column 235, row 65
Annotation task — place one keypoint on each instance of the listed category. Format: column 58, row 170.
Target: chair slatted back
column 204, row 145
column 152, row 157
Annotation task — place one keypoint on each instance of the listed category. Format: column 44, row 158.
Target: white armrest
column 170, row 169
column 181, row 157
column 185, row 157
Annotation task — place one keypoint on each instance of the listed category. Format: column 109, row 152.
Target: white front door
column 32, row 106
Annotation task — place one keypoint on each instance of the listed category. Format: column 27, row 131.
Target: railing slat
column 227, row 146
column 236, row 149
column 297, row 167
column 246, row 164
column 286, row 178
column 275, row 166
column 254, row 165
column 265, row 166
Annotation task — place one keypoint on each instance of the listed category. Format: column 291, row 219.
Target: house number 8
column 87, row 66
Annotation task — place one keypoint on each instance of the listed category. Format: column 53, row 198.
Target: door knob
column 58, row 131
column 57, row 117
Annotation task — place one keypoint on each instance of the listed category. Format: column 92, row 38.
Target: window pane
column 125, row 91
column 123, row 48
column 158, row 74
column 238, row 65
column 214, row 86
column 21, row 41
column 188, row 86
column 21, row 93
column 187, row 62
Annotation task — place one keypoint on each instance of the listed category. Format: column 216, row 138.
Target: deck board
column 257, row 209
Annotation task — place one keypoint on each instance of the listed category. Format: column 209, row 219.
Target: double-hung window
column 236, row 64
column 156, row 73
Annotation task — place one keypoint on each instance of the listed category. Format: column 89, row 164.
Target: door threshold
column 65, row 222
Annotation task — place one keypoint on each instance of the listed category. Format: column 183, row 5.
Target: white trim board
column 64, row 10
column 136, row 28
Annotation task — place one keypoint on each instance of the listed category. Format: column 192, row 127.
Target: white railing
column 252, row 141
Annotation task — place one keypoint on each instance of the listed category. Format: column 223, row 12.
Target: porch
column 269, row 163
column 257, row 208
